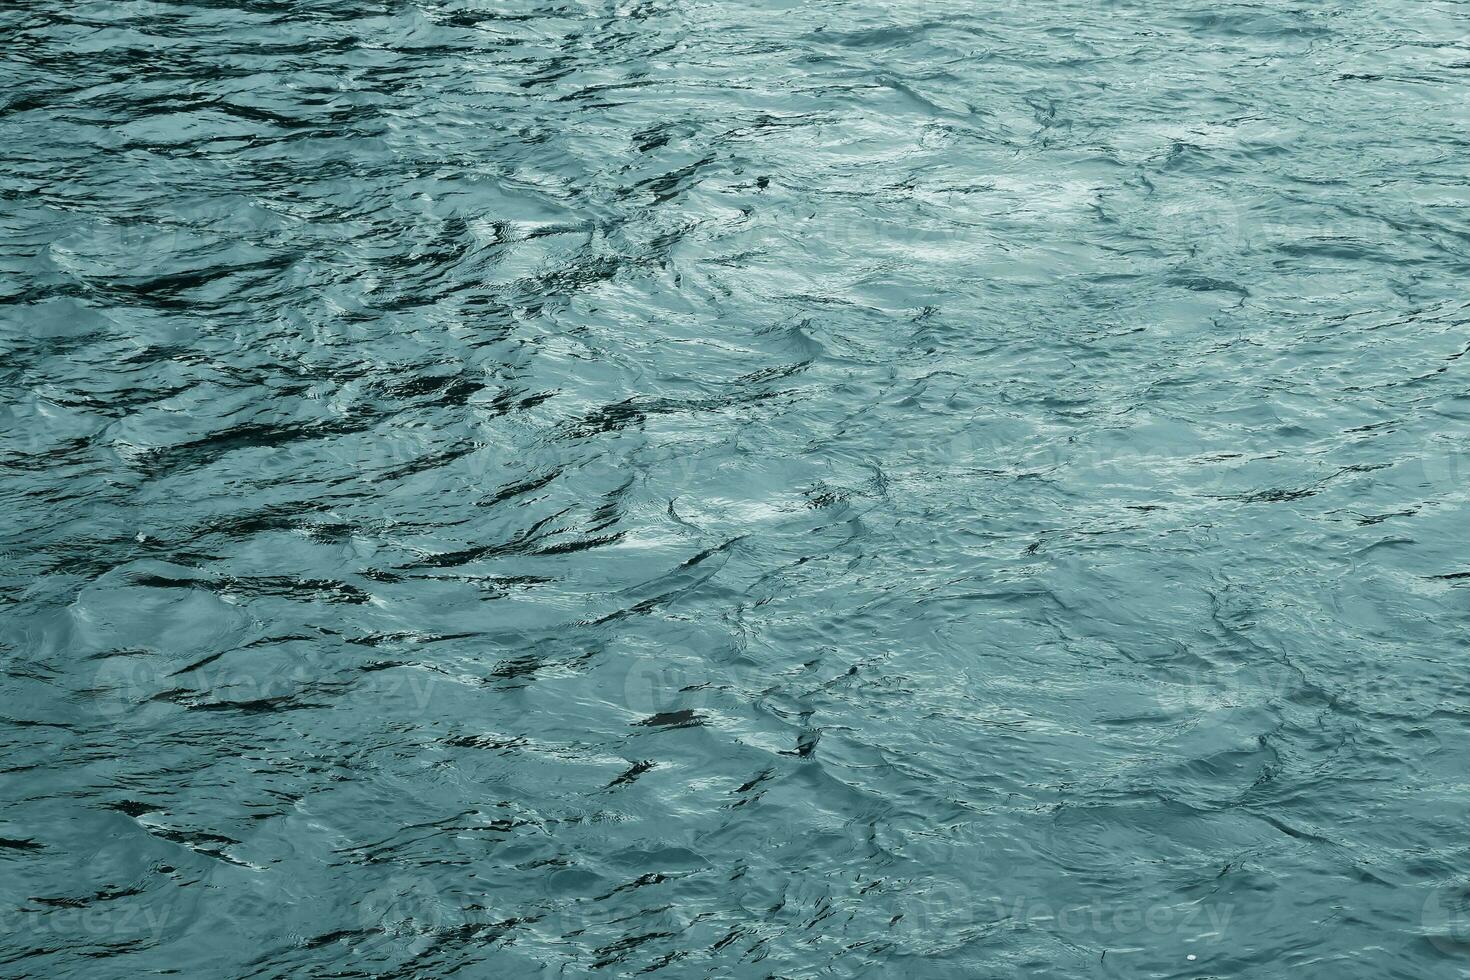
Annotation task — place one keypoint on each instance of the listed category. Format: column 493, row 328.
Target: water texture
column 735, row 490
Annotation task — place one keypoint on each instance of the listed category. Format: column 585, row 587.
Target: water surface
column 741, row 490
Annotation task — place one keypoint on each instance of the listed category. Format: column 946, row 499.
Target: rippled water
column 785, row 489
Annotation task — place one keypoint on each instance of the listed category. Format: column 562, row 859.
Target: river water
column 738, row 490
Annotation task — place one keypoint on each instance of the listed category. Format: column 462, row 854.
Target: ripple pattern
column 938, row 488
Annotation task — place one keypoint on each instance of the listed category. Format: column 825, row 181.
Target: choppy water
column 788, row 489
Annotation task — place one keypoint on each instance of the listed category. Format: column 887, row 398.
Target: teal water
column 736, row 490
